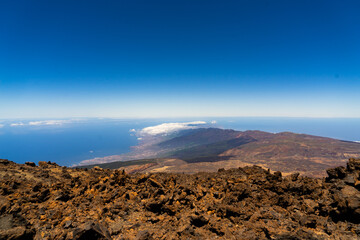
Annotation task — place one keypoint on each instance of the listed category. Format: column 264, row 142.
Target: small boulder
column 17, row 233
column 143, row 235
column 336, row 173
column 350, row 179
column 352, row 196
column 4, row 161
column 198, row 221
column 294, row 176
column 353, row 164
column 63, row 196
column 91, row 231
column 67, row 224
column 155, row 183
column 42, row 164
column 31, row 164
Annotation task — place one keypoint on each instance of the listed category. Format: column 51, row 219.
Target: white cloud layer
column 49, row 122
column 1, row 125
column 42, row 123
column 17, row 124
column 167, row 128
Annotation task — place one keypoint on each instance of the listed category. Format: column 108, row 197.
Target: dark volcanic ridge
column 53, row 202
column 208, row 149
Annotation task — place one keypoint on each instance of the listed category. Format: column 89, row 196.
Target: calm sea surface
column 69, row 142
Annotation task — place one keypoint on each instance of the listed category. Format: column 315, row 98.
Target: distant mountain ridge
column 207, row 149
column 200, row 136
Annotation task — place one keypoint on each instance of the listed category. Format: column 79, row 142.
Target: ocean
column 70, row 141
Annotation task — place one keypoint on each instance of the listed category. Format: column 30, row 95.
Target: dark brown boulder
column 31, row 164
column 91, row 231
column 42, row 164
column 143, row 235
column 4, row 161
column 14, row 228
column 353, row 164
column 17, row 233
column 336, row 173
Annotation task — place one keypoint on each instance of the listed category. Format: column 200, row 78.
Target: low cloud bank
column 167, row 128
column 42, row 123
column 17, row 124
column 49, row 122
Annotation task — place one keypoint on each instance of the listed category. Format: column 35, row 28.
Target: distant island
column 206, row 149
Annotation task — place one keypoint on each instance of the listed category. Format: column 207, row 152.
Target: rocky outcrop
column 53, row 202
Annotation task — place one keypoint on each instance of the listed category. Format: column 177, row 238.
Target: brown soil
column 53, row 202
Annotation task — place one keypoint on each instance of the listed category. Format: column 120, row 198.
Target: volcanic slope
column 208, row 149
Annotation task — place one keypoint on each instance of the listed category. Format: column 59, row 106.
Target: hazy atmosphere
column 179, row 119
column 179, row 58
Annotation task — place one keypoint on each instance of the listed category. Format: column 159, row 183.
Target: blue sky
column 179, row 58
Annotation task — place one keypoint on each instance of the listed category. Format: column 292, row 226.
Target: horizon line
column 177, row 117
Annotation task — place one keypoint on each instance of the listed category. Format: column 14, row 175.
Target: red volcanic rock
column 53, row 202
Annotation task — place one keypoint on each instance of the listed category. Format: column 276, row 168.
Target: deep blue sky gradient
column 179, row 58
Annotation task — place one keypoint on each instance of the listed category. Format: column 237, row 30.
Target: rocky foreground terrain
column 53, row 202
